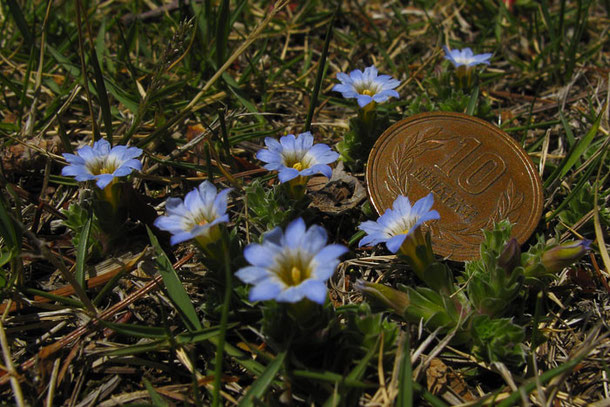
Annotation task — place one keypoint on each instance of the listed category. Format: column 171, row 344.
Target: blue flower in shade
column 398, row 223
column 297, row 156
column 102, row 163
column 197, row 217
column 288, row 267
column 465, row 57
column 366, row 86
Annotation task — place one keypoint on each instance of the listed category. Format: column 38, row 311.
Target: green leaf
column 405, row 375
column 22, row 25
column 81, row 252
column 156, row 399
column 137, row 330
column 174, row 287
column 260, row 386
column 576, row 152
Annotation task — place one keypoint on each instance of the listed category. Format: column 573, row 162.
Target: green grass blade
column 22, row 25
column 544, row 378
column 173, row 285
column 222, row 32
column 260, row 386
column 355, row 374
column 102, row 95
column 472, row 102
column 576, row 152
column 81, row 253
column 138, row 331
column 405, row 374
column 155, row 397
column 321, row 69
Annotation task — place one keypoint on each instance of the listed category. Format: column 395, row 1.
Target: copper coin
column 478, row 175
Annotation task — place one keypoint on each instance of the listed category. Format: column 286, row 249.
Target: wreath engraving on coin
column 477, row 173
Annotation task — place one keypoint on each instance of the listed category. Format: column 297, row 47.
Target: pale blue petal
column 269, row 156
column 294, row 233
column 252, row 274
column 364, row 100
column 180, row 237
column 395, row 242
column 286, row 174
column 260, row 255
column 265, row 290
column 103, row 180
column 315, row 290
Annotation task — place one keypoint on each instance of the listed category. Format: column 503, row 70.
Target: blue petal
column 172, row 224
column 269, row 156
column 424, row 204
column 265, row 290
column 286, row 174
column 252, row 274
column 364, row 100
column 260, row 255
column 314, row 239
column 103, row 180
column 74, row 159
column 294, row 233
column 345, row 79
column 180, row 237
column 273, row 144
column 315, row 290
column 395, row 242
column 318, row 168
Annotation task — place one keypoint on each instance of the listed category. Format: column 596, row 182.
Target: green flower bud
column 564, row 255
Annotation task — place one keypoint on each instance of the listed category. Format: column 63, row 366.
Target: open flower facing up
column 398, row 224
column 297, row 156
column 465, row 57
column 288, row 267
column 102, row 163
column 367, row 86
column 198, row 217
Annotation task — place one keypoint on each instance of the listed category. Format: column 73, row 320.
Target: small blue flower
column 288, row 267
column 465, row 57
column 398, row 223
column 297, row 156
column 197, row 217
column 101, row 163
column 366, row 86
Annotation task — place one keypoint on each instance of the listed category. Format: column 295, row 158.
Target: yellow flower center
column 295, row 273
column 368, row 92
column 297, row 166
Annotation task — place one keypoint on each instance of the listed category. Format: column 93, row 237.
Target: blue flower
column 101, row 163
column 197, row 217
column 288, row 267
column 366, row 86
column 398, row 223
column 465, row 57
column 297, row 156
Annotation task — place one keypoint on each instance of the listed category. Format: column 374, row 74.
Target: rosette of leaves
column 497, row 340
column 494, row 281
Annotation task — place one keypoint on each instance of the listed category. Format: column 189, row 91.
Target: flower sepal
column 547, row 259
column 364, row 130
column 110, row 208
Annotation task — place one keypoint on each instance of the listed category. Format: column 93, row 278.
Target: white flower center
column 299, row 160
column 103, row 165
column 368, row 88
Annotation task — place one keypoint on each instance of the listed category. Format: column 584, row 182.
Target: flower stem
column 223, row 319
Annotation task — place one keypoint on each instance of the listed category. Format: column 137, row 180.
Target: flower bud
column 564, row 255
column 510, row 258
column 395, row 299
